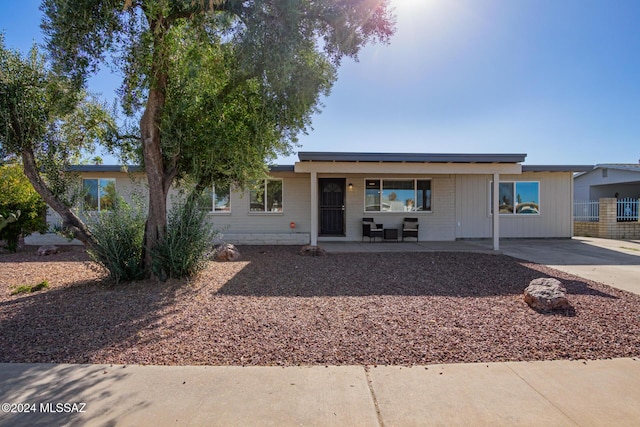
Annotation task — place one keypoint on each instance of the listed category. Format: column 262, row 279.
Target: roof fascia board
column 105, row 168
column 316, row 156
column 408, row 168
column 556, row 168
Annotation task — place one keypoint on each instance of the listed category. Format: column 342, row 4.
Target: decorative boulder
column 226, row 252
column 47, row 250
column 546, row 294
column 310, row 250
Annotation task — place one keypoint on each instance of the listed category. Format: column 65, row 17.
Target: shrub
column 187, row 243
column 18, row 197
column 119, row 233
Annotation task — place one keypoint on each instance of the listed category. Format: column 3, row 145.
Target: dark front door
column 332, row 206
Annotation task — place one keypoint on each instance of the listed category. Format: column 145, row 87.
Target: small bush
column 18, row 197
column 27, row 289
column 187, row 243
column 119, row 233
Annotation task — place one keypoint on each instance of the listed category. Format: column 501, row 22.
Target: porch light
column 350, row 186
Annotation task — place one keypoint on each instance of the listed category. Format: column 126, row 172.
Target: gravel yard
column 275, row 307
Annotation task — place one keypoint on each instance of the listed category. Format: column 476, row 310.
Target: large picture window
column 99, row 194
column 397, row 195
column 266, row 196
column 216, row 199
column 518, row 197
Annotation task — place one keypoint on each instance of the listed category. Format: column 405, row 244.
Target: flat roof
column 136, row 168
column 105, row 168
column 381, row 157
column 556, row 168
column 322, row 156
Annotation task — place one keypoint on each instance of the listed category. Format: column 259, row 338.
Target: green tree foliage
column 220, row 86
column 48, row 124
column 21, row 207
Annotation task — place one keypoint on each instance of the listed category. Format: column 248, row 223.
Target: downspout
column 314, row 209
column 496, row 211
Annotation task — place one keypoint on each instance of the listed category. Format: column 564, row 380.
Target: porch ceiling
column 317, row 156
column 407, row 168
column 409, row 163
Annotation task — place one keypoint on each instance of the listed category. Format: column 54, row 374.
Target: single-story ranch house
column 326, row 195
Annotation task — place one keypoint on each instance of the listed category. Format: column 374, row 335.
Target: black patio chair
column 410, row 228
column 371, row 230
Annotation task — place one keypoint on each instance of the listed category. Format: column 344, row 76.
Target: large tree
column 220, row 86
column 48, row 124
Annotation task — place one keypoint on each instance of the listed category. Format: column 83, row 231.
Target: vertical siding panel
column 554, row 219
column 555, row 207
column 473, row 206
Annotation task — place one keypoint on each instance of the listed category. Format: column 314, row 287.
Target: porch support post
column 314, row 208
column 495, row 203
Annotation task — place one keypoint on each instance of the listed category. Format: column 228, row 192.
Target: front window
column 397, row 195
column 266, row 196
column 216, row 198
column 518, row 198
column 99, row 194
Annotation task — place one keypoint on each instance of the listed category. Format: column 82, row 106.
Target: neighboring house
column 606, row 201
column 617, row 180
column 325, row 195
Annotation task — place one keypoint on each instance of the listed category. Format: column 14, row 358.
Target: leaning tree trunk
column 70, row 220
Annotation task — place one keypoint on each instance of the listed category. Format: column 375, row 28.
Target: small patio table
column 391, row 234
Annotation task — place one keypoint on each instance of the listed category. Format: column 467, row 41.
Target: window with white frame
column 397, row 195
column 266, row 196
column 216, row 199
column 99, row 194
column 517, row 197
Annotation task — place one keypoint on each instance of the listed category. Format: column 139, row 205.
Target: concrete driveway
column 613, row 262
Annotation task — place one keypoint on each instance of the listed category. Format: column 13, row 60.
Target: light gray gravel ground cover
column 275, row 307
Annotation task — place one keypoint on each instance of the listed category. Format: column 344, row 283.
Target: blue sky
column 558, row 80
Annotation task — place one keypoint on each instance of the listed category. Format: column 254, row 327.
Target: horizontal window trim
column 399, row 213
column 219, row 213
column 512, row 214
column 415, row 188
column 268, row 213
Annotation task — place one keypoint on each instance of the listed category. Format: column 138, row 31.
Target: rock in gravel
column 310, row 250
column 47, row 250
column 546, row 294
column 227, row 252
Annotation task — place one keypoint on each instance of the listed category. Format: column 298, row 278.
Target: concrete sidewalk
column 558, row 393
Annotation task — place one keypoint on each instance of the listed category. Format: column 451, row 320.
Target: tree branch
column 69, row 218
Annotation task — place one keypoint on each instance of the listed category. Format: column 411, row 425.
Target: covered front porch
column 343, row 190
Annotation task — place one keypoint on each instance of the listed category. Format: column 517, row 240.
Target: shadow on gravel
column 483, row 316
column 72, row 324
column 28, row 254
column 277, row 271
